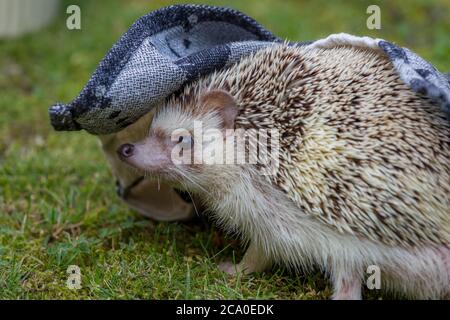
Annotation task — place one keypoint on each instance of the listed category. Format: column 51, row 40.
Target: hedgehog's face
column 185, row 140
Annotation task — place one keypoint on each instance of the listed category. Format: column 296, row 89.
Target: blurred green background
column 57, row 200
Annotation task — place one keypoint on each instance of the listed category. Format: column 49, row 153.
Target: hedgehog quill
column 363, row 175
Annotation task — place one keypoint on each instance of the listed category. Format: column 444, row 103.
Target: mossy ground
column 57, row 200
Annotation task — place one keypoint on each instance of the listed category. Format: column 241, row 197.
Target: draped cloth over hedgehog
column 173, row 46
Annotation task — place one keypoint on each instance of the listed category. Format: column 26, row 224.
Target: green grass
column 57, row 201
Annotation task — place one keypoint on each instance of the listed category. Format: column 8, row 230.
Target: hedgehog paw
column 347, row 288
column 230, row 268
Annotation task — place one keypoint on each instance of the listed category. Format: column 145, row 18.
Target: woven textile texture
column 169, row 47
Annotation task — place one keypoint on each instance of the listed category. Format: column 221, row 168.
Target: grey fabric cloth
column 419, row 74
column 167, row 48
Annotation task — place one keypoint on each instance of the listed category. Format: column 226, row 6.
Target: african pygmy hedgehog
column 364, row 167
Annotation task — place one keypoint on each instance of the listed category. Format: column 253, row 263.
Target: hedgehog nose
column 126, row 150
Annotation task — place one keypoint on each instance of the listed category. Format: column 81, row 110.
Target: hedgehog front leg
column 254, row 260
column 346, row 285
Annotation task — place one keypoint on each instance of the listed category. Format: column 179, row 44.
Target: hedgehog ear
column 224, row 103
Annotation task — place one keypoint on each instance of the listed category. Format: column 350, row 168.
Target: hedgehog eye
column 186, row 140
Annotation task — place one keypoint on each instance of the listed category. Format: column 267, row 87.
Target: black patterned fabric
column 169, row 47
column 419, row 74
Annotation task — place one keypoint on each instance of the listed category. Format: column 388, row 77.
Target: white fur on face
column 173, row 122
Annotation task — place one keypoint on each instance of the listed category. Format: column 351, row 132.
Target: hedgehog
column 362, row 176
